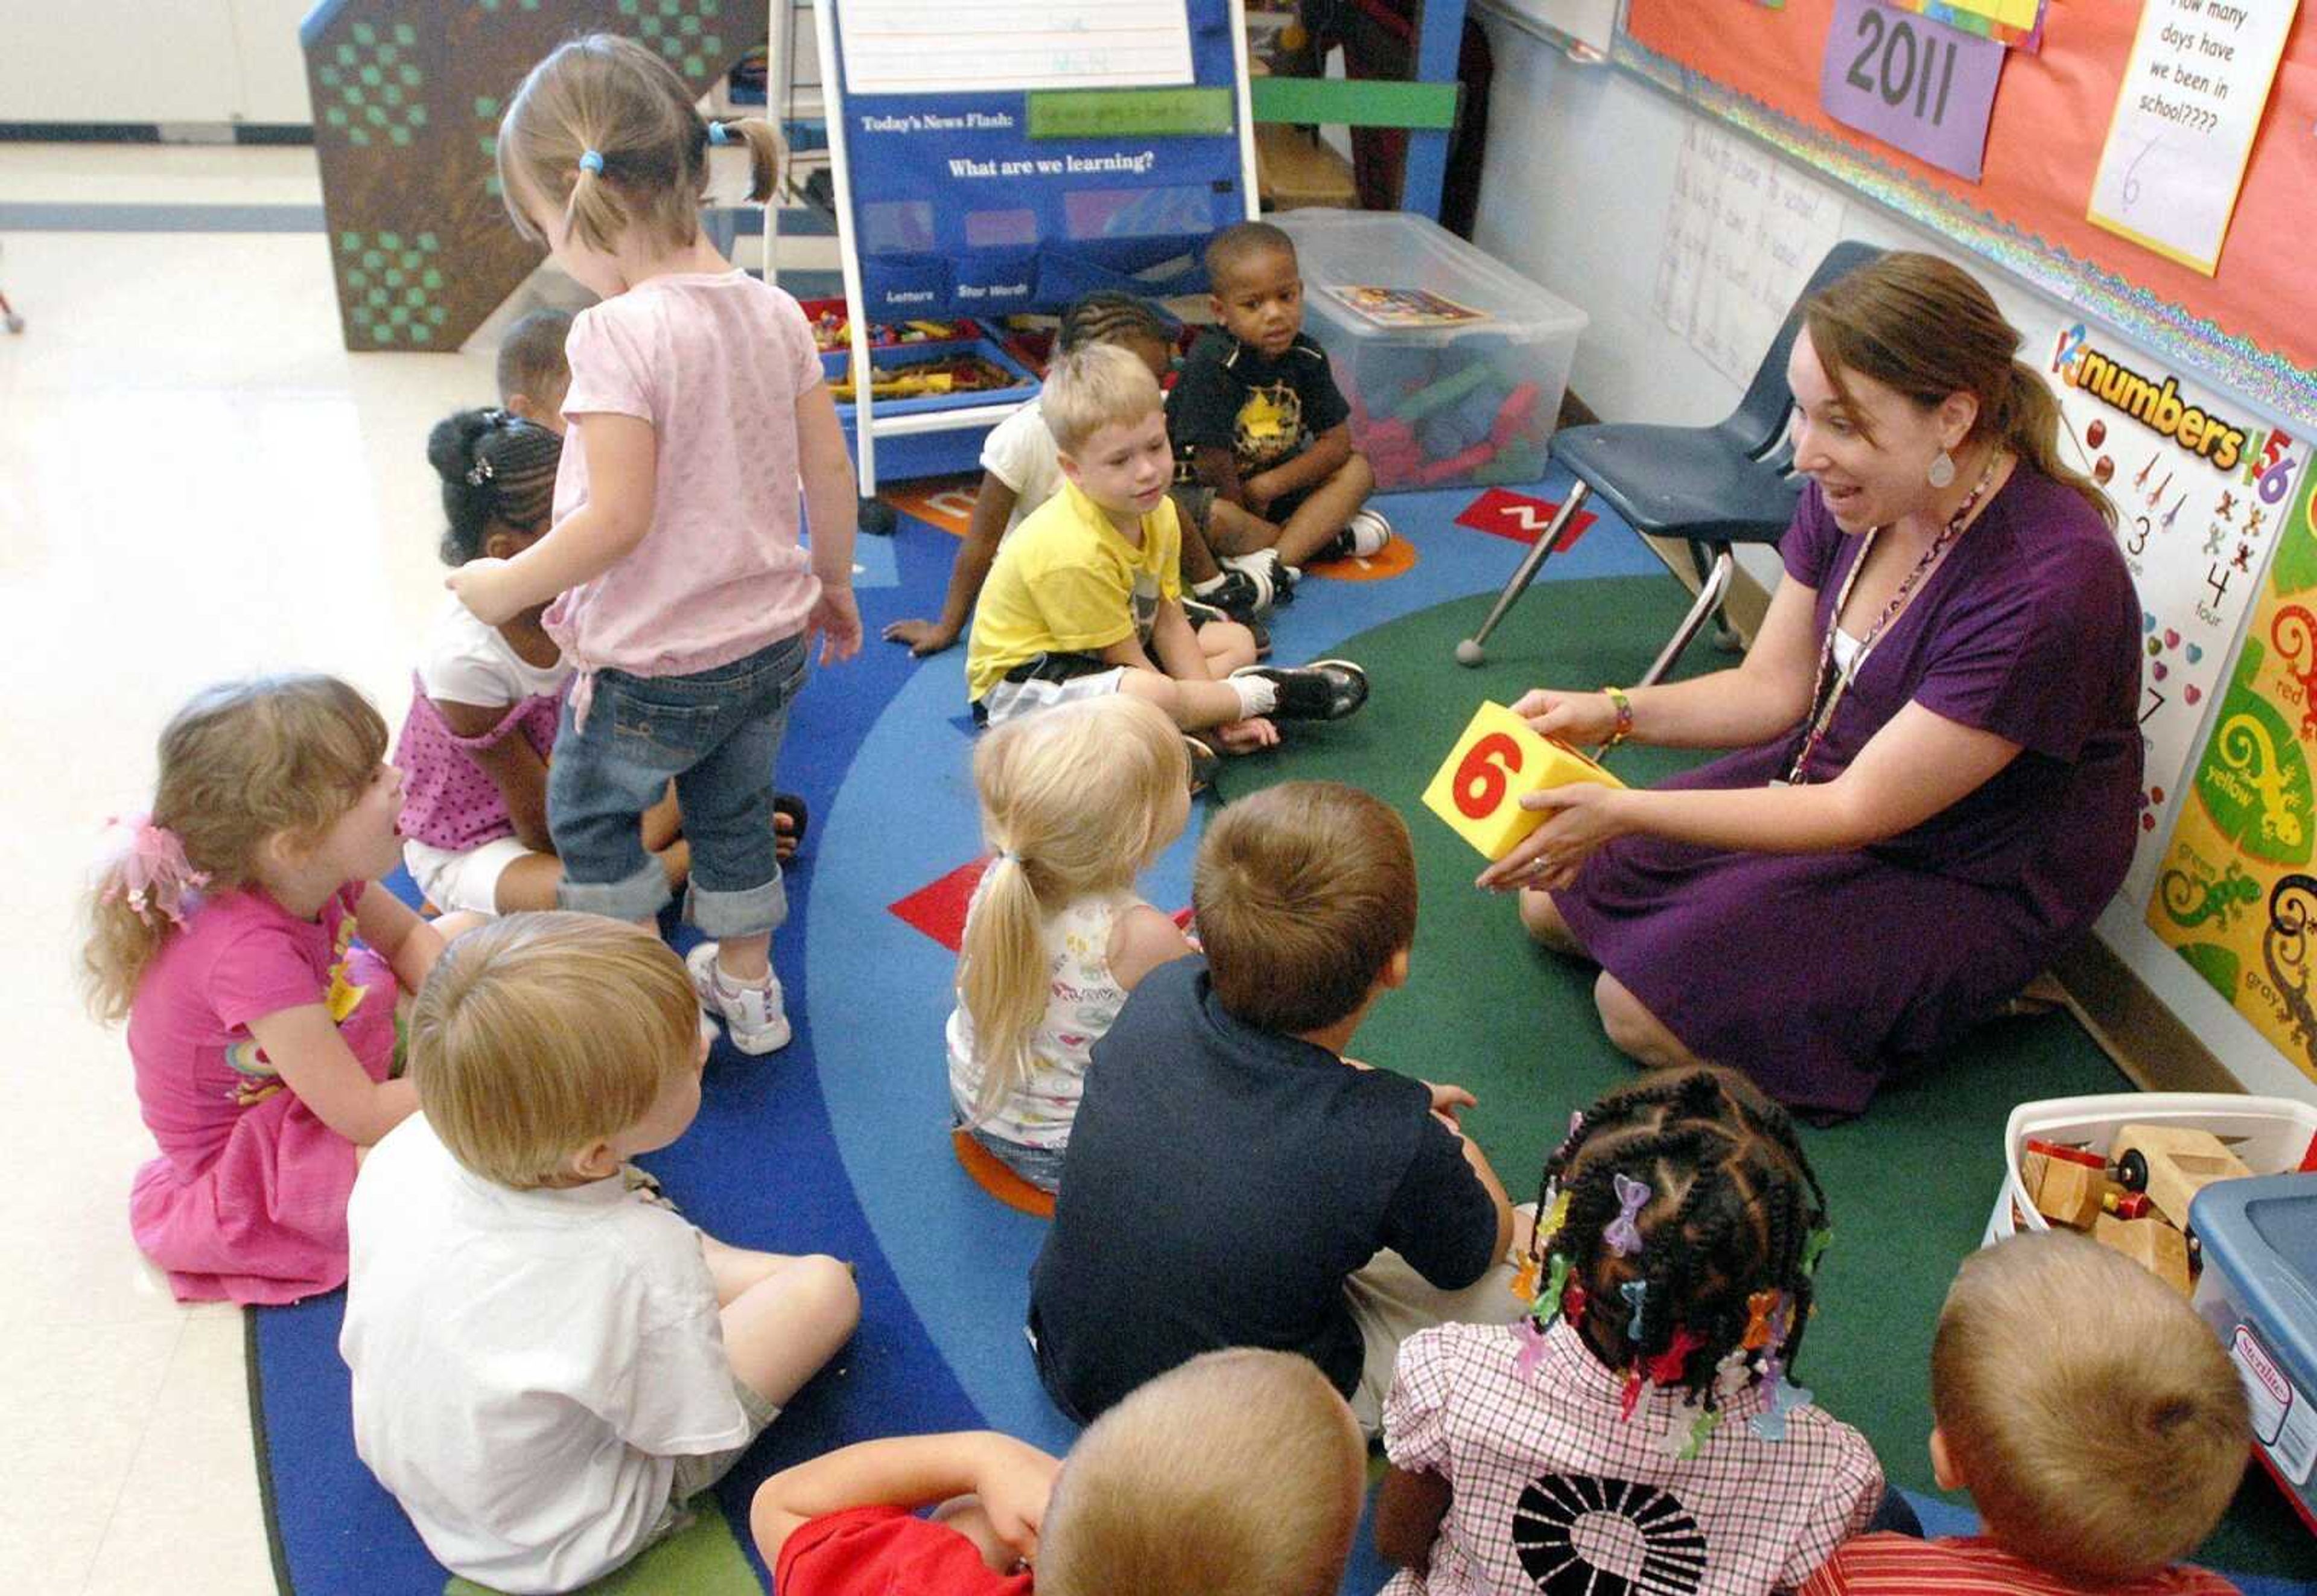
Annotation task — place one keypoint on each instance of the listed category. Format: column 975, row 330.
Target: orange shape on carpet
column 1387, row 562
column 946, row 502
column 1000, row 1182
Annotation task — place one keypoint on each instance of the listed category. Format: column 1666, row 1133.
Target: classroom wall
column 1575, row 191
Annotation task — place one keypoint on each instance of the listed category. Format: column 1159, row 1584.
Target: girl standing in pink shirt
column 222, row 928
column 697, row 406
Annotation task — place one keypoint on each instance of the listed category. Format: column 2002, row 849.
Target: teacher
column 1939, row 769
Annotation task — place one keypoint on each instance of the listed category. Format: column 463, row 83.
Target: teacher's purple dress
column 1816, row 973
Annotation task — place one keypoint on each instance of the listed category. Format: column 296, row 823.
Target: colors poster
column 2236, row 893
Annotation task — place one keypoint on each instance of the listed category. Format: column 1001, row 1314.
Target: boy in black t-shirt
column 1259, row 425
column 1232, row 1179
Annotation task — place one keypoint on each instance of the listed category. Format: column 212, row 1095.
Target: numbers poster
column 2184, row 122
column 2202, row 490
column 2237, row 894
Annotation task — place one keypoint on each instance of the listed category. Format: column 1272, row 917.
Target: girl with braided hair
column 1021, row 469
column 485, row 700
column 1641, row 1429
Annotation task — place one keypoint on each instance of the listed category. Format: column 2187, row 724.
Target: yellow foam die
column 1496, row 763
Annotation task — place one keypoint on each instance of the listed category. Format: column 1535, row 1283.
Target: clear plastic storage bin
column 1454, row 363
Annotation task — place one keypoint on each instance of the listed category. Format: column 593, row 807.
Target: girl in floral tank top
column 1077, row 801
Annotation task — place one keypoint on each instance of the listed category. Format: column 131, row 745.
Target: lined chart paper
column 910, row 47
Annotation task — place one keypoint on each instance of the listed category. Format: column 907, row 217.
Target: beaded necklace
column 1824, row 701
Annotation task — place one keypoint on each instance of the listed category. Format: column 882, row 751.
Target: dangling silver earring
column 1942, row 471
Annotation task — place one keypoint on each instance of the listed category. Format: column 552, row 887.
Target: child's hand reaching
column 1244, row 737
column 837, row 619
column 1013, row 1480
column 1448, row 1102
column 481, row 584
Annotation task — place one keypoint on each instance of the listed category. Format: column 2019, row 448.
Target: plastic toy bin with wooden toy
column 1453, row 363
column 2218, row 1196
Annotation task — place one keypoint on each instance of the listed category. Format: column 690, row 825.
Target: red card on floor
column 1502, row 513
column 938, row 908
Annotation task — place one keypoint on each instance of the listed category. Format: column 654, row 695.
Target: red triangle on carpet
column 938, row 908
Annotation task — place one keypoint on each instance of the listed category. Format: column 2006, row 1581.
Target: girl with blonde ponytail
column 682, row 594
column 222, row 927
column 1077, row 801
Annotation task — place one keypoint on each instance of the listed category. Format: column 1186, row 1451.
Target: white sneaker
column 1274, row 582
column 752, row 1015
column 1363, row 537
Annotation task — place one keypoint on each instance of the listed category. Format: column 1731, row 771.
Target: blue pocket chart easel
column 991, row 157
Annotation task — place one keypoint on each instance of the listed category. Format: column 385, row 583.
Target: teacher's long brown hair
column 1924, row 328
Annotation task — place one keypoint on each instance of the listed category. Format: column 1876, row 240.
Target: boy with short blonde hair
column 2094, row 1418
column 1087, row 590
column 1239, row 1472
column 1231, row 1178
column 547, row 1363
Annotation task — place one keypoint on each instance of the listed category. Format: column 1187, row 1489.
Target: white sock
column 733, row 984
column 1257, row 695
column 1210, row 585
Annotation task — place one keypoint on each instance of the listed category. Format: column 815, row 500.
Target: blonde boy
column 1240, row 1472
column 547, row 1363
column 1086, row 590
column 2095, row 1419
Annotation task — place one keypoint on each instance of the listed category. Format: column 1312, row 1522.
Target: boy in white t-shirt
column 547, row 1363
column 1021, row 469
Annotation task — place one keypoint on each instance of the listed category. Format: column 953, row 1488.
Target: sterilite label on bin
column 2282, row 1419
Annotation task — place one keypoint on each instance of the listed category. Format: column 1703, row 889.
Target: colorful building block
column 1496, row 763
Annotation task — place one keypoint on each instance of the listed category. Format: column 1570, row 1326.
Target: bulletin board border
column 2242, row 370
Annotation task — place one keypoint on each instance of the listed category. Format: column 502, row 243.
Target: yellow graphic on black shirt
column 1269, row 424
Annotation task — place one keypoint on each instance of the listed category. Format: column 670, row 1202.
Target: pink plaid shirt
column 1550, row 1488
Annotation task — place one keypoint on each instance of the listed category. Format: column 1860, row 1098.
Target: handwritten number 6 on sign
column 1482, row 777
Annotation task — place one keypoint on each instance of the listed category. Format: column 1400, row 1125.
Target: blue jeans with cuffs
column 717, row 735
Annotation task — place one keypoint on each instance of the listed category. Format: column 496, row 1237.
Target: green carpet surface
column 1910, row 1184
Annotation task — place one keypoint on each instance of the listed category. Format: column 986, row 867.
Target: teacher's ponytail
column 2027, row 420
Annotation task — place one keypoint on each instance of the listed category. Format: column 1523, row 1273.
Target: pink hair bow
column 1622, row 1236
column 147, row 866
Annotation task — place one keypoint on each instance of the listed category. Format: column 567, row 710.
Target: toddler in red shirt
column 2097, row 1449
column 1238, row 1471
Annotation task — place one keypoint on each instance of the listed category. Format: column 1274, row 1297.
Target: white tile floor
column 195, row 480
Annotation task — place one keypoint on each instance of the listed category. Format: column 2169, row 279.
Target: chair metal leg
column 1710, row 593
column 1470, row 651
column 1725, row 636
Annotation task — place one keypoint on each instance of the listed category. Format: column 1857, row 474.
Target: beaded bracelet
column 1624, row 708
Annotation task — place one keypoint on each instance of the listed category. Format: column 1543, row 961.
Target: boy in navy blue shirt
column 1232, row 1179
column 1258, row 423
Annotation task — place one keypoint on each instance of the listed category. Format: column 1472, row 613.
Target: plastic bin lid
column 2261, row 1233
column 1397, row 250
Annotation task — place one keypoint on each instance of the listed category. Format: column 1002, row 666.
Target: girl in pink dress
column 223, row 929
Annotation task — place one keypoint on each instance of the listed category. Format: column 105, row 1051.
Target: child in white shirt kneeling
column 546, row 1363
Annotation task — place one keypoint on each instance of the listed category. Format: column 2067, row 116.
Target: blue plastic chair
column 1709, row 486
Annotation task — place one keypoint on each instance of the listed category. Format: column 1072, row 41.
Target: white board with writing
column 918, row 46
column 2193, row 92
column 1743, row 234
